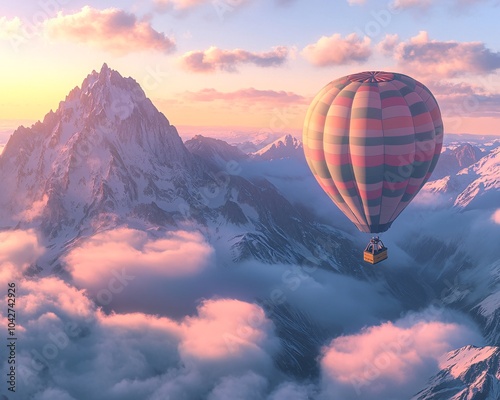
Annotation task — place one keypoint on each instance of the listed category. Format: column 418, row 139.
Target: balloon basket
column 375, row 252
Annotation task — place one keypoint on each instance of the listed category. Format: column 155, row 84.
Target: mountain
column 469, row 373
column 285, row 147
column 453, row 159
column 104, row 149
column 215, row 151
column 476, row 186
column 107, row 157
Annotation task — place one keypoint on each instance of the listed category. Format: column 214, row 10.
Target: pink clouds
column 125, row 253
column 226, row 329
column 390, row 359
column 462, row 99
column 18, row 251
column 163, row 5
column 441, row 59
column 496, row 217
column 140, row 355
column 401, row 5
column 52, row 293
column 184, row 5
column 404, row 5
column 336, row 50
column 214, row 59
column 249, row 95
column 110, row 29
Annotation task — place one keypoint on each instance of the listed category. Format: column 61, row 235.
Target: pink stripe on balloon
column 398, row 123
column 366, row 123
column 316, row 154
column 337, row 159
column 395, row 185
column 367, row 161
column 345, row 185
column 395, row 111
column 370, row 195
column 396, row 160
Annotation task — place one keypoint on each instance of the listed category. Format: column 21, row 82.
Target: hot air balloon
column 372, row 140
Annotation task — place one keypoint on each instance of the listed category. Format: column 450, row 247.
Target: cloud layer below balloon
column 220, row 344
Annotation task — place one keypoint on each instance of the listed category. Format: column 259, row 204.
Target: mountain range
column 108, row 158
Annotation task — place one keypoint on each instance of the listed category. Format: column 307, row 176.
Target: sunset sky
column 250, row 64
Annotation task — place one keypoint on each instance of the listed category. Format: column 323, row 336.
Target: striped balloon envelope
column 372, row 140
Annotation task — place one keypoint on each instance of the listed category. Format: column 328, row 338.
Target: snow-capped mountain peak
column 469, row 373
column 104, row 137
column 107, row 93
column 475, row 186
column 285, row 147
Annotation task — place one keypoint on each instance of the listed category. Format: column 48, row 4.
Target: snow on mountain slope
column 455, row 158
column 285, row 147
column 104, row 148
column 214, row 150
column 469, row 373
column 477, row 186
column 484, row 190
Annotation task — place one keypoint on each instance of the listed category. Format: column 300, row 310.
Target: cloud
column 424, row 5
column 181, row 7
column 177, row 254
column 247, row 387
column 214, row 59
column 10, row 28
column 388, row 44
column 336, row 50
column 225, row 347
column 227, row 344
column 356, row 2
column 293, row 391
column 463, row 99
column 54, row 295
column 249, row 95
column 18, row 251
column 441, row 59
column 226, row 329
column 496, row 217
column 391, row 360
column 111, row 30
column 401, row 5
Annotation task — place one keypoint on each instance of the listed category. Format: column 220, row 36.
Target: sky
column 249, row 65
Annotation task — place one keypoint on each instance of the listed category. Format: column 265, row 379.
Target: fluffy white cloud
column 440, row 59
column 392, row 360
column 214, row 59
column 10, row 28
column 336, row 50
column 131, row 252
column 225, row 348
column 111, row 29
column 18, row 251
column 226, row 344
